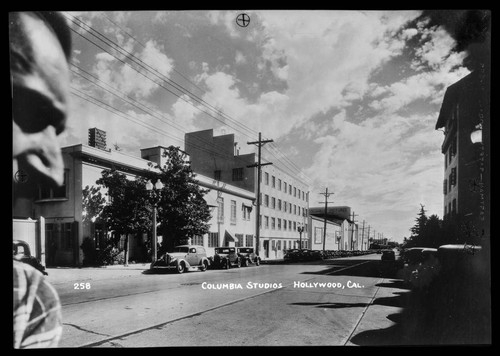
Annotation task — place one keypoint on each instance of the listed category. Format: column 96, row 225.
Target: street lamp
column 300, row 229
column 476, row 135
column 156, row 194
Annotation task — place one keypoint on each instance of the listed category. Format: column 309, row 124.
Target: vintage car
column 226, row 257
column 183, row 258
column 21, row 252
column 248, row 256
column 388, row 255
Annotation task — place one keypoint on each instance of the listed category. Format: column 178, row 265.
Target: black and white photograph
column 250, row 178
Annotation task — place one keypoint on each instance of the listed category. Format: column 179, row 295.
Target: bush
column 89, row 252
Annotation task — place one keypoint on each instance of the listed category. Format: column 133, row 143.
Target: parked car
column 248, row 256
column 292, row 255
column 183, row 258
column 226, row 257
column 21, row 252
column 388, row 255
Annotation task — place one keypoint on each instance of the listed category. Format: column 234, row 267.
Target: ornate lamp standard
column 300, row 229
column 155, row 192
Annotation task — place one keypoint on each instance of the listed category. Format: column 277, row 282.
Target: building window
column 294, row 192
column 294, row 226
column 273, row 203
column 279, row 224
column 213, row 239
column 217, row 174
column 266, row 222
column 266, row 200
column 284, row 224
column 285, row 206
column 449, row 208
column 453, row 176
column 197, row 240
column 220, row 210
column 445, row 186
column 273, row 181
column 237, row 174
column 294, row 209
column 290, row 189
column 285, row 186
column 454, row 206
column 239, row 242
column 249, row 240
column 318, row 235
column 45, row 192
column 290, row 207
column 266, row 176
column 246, row 210
column 278, row 245
column 279, row 184
column 67, row 234
column 273, row 223
column 233, row 211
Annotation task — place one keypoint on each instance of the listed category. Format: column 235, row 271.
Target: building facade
column 284, row 199
column 341, row 232
column 465, row 119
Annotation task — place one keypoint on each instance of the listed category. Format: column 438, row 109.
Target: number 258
column 81, row 285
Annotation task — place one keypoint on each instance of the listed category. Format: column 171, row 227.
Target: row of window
column 277, row 183
column 276, row 224
column 213, row 240
column 245, row 211
column 280, row 205
column 450, row 182
column 287, row 244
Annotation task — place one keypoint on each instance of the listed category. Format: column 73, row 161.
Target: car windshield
column 224, row 250
column 245, row 250
column 181, row 249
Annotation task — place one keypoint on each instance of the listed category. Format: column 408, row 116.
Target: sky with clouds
column 350, row 98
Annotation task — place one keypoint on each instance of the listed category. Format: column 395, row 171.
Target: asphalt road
column 314, row 303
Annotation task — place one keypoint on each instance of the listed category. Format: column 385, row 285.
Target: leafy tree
column 421, row 220
column 128, row 212
column 182, row 211
column 93, row 204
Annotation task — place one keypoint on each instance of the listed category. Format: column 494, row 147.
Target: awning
column 211, row 201
column 228, row 237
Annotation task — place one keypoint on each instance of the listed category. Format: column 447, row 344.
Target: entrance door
column 266, row 248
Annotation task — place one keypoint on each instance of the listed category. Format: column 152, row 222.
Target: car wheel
column 204, row 266
column 239, row 263
column 245, row 263
column 257, row 262
column 181, row 268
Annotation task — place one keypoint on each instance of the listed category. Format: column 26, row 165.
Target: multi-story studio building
column 284, row 198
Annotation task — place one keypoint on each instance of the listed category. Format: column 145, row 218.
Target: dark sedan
column 21, row 252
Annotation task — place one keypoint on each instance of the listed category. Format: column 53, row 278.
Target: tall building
column 465, row 118
column 284, row 198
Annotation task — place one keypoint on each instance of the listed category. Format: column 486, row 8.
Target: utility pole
column 259, row 164
column 352, row 233
column 326, row 194
column 362, row 234
column 369, row 237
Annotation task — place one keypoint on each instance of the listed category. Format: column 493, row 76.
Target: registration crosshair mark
column 243, row 20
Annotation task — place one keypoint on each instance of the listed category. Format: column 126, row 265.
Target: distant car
column 248, row 256
column 226, row 257
column 183, row 258
column 21, row 252
column 388, row 255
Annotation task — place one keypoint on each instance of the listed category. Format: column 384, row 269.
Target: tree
column 419, row 226
column 93, row 204
column 182, row 211
column 128, row 212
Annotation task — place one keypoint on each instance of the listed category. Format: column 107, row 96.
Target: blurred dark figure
column 40, row 46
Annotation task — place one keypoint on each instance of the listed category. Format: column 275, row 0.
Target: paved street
column 313, row 303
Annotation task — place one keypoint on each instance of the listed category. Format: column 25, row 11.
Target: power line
column 175, row 85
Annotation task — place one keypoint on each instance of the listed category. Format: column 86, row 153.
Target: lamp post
column 300, row 229
column 156, row 194
column 476, row 136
